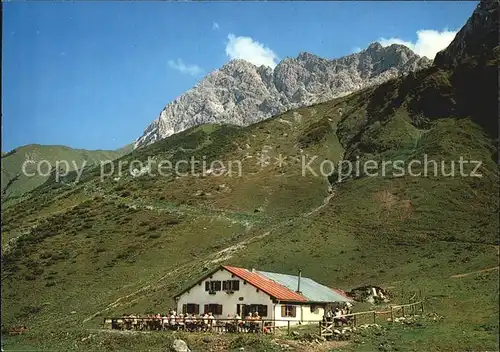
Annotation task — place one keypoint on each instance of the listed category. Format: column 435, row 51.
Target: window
column 212, row 286
column 314, row 308
column 215, row 309
column 288, row 311
column 260, row 308
column 231, row 285
column 190, row 308
column 244, row 309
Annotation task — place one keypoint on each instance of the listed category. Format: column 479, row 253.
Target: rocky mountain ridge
column 241, row 93
column 479, row 34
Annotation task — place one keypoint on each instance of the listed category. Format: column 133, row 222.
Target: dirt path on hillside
column 160, row 282
column 457, row 276
column 325, row 203
column 326, row 200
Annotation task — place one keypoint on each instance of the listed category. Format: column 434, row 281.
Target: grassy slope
column 104, row 248
column 12, row 164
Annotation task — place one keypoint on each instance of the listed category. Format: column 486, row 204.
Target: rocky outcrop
column 179, row 346
column 479, row 35
column 241, row 93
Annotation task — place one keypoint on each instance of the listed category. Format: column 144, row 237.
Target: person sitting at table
column 229, row 323
column 329, row 315
column 191, row 322
column 256, row 322
column 211, row 320
column 237, row 321
column 188, row 322
column 267, row 327
column 180, row 322
column 237, row 318
column 248, row 322
column 340, row 316
column 164, row 322
column 337, row 314
column 173, row 320
column 205, row 322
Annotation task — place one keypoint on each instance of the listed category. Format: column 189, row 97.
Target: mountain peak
column 241, row 93
column 305, row 56
column 374, row 46
column 235, row 63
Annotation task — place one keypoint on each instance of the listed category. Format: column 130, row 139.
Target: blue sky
column 94, row 74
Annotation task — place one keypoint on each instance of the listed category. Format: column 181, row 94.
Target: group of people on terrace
column 189, row 322
column 339, row 315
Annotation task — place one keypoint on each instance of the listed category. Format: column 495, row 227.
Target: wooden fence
column 370, row 317
column 214, row 325
column 264, row 325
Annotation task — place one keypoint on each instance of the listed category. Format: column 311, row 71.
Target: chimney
column 298, row 283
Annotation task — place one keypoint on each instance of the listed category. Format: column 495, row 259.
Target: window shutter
column 184, row 308
column 294, row 311
column 283, row 310
column 236, row 285
column 219, row 309
column 207, row 285
column 206, row 309
column 224, row 285
column 217, row 285
column 197, row 309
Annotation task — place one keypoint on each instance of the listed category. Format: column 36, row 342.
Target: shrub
column 31, row 309
column 38, row 271
column 45, row 255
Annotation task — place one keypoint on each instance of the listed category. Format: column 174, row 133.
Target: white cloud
column 215, row 26
column 429, row 42
column 179, row 65
column 355, row 50
column 250, row 50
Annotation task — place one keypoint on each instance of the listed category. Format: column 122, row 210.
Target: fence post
column 374, row 317
column 422, row 303
column 320, row 328
column 403, row 308
column 288, row 327
column 355, row 321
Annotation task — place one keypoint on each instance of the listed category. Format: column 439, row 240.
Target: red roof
column 270, row 287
